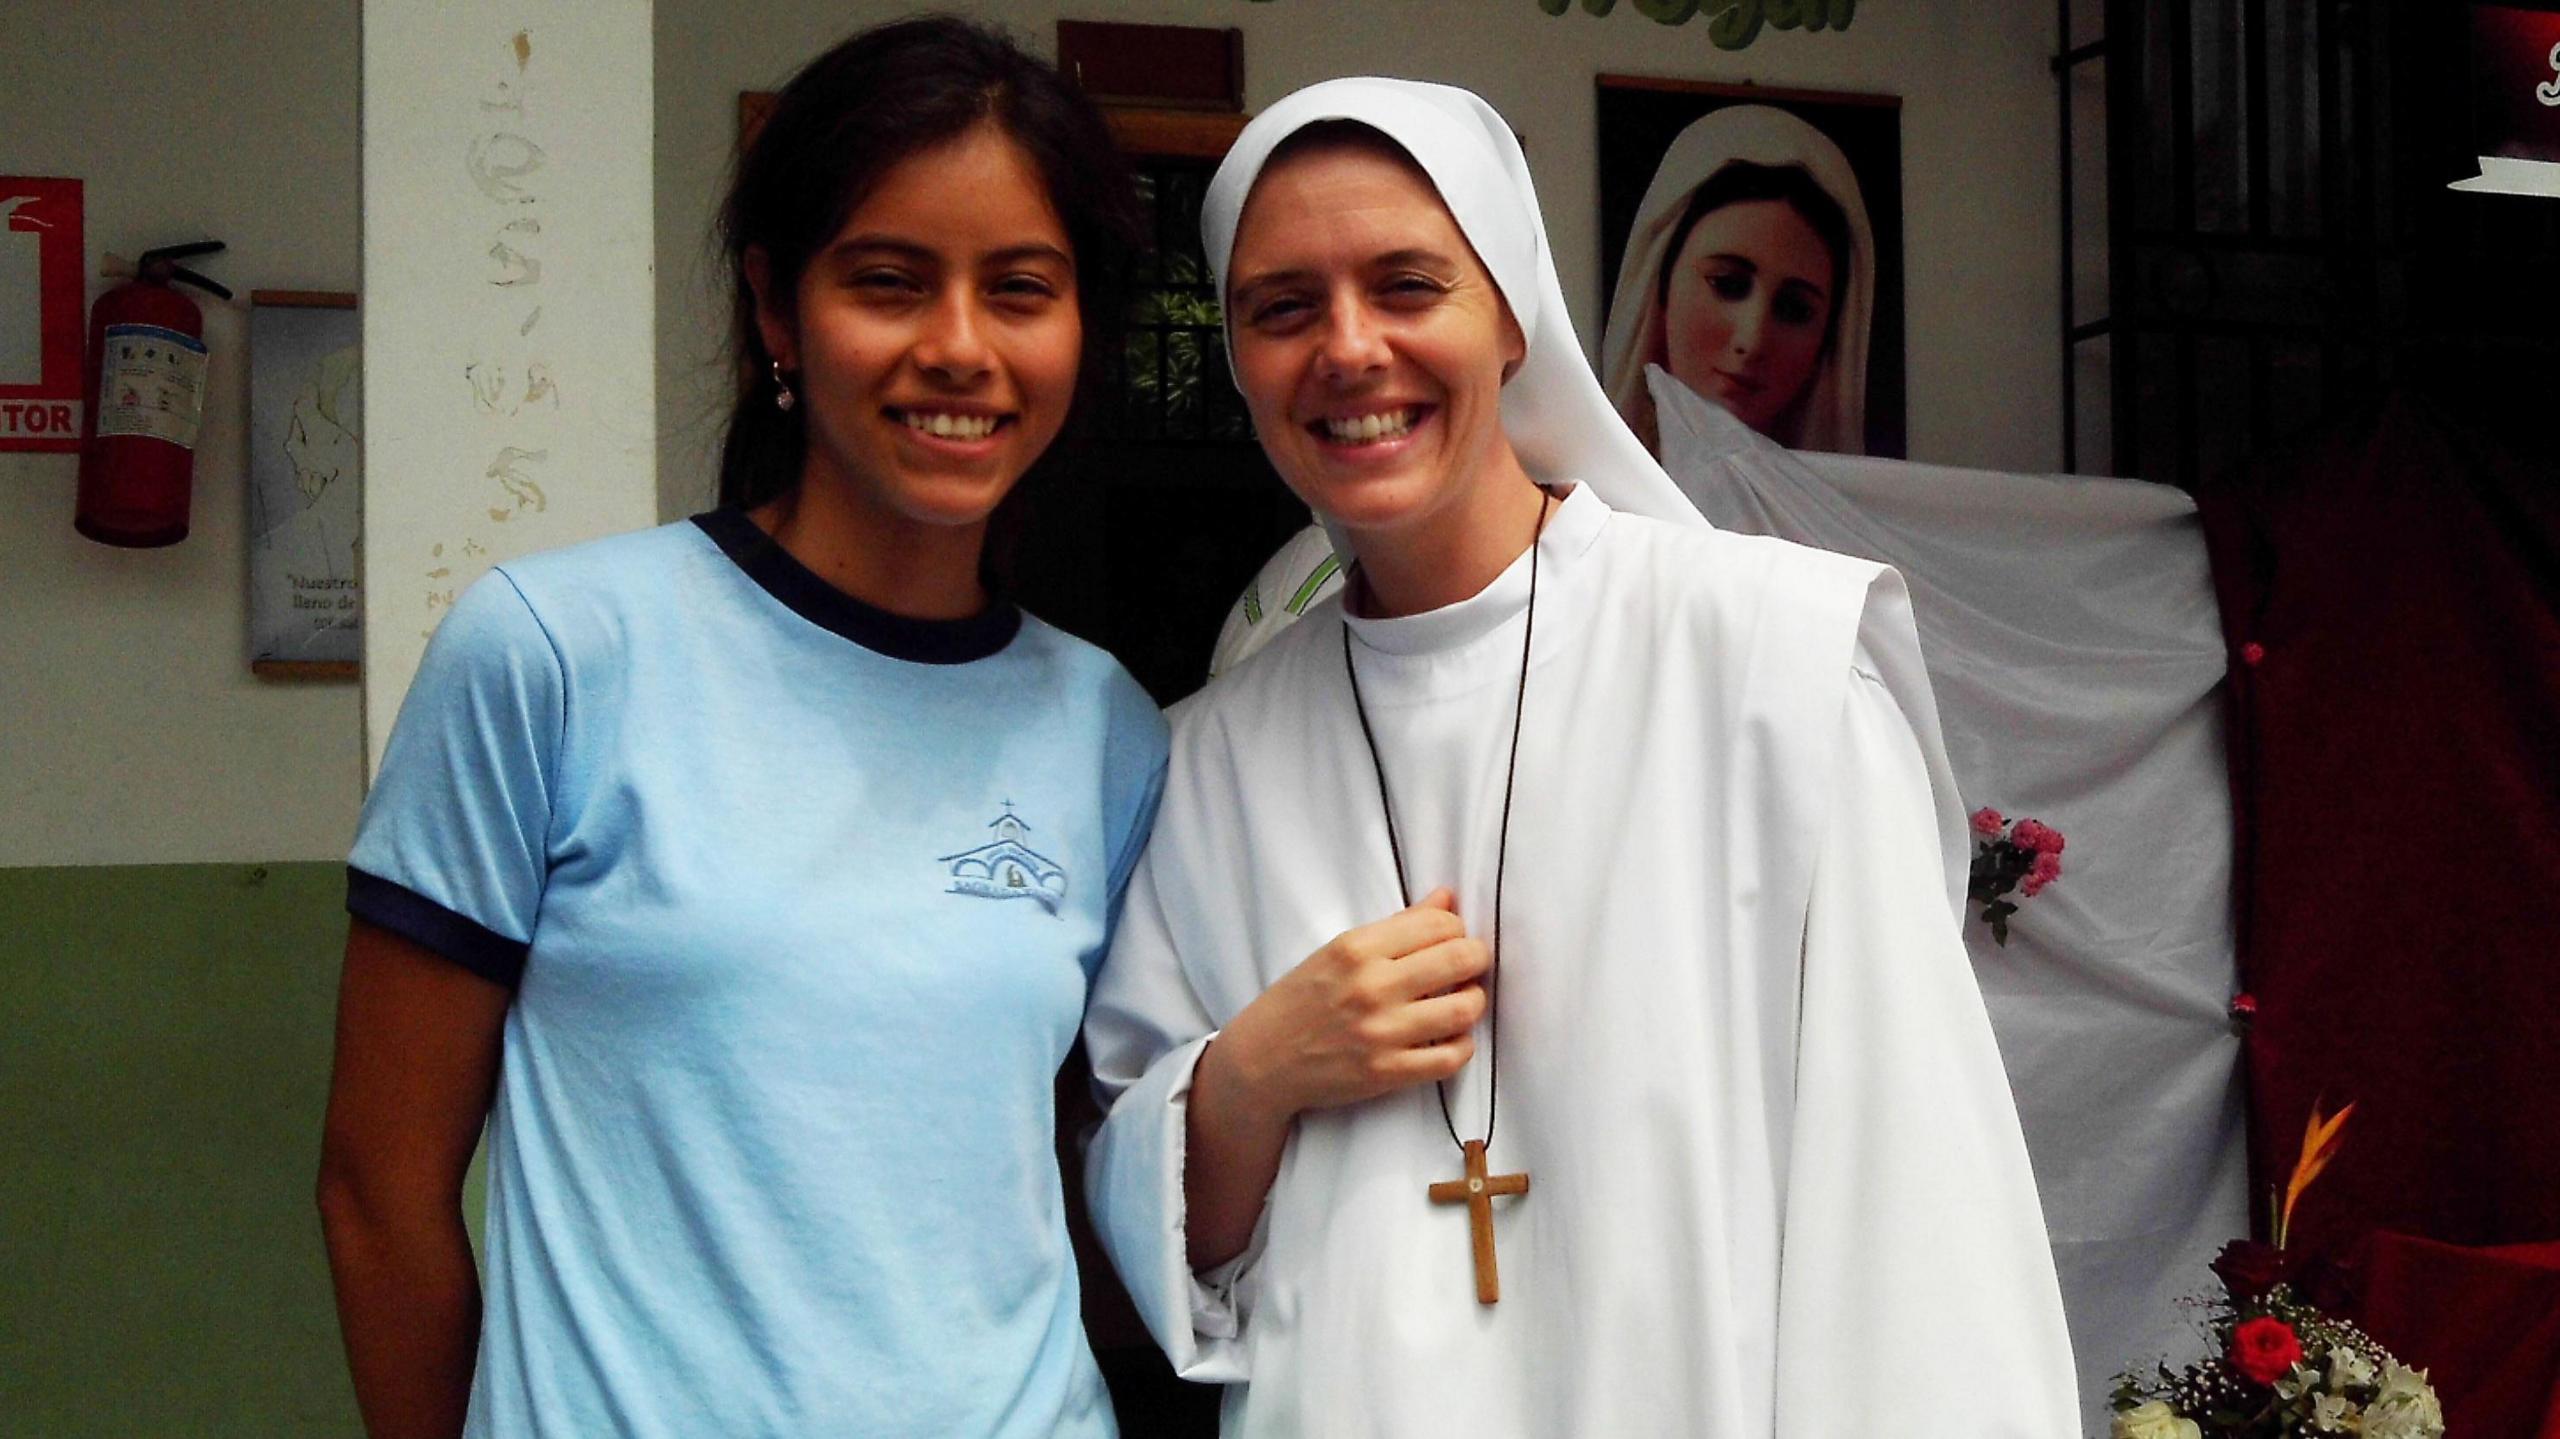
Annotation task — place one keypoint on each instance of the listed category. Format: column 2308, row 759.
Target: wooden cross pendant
column 1476, row 1191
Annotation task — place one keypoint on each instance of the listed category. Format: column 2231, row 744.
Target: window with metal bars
column 1174, row 386
column 1170, row 506
column 2256, row 233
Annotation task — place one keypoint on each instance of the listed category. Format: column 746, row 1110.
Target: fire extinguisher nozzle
column 161, row 265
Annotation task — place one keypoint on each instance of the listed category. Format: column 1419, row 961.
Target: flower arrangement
column 2280, row 1367
column 2025, row 856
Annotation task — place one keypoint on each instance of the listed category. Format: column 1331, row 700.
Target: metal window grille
column 1174, row 386
column 2255, row 230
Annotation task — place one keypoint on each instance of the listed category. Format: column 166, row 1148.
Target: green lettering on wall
column 1731, row 24
column 1736, row 25
column 1811, row 14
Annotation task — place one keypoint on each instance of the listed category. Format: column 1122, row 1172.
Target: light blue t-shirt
column 801, row 900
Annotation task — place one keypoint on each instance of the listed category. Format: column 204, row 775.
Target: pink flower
column 1987, row 822
column 2037, row 837
column 2047, row 868
column 2035, row 885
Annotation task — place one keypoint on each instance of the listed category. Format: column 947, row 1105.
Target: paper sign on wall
column 306, row 461
column 41, row 254
column 2515, row 85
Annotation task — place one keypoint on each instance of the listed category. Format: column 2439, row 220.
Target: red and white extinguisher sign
column 146, row 377
column 43, row 314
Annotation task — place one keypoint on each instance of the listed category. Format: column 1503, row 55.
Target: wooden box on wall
column 1173, row 67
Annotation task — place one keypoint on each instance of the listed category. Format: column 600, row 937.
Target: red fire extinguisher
column 146, row 403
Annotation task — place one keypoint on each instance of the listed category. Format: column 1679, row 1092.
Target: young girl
column 747, row 874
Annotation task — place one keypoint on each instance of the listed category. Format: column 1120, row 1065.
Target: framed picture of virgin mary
column 1751, row 247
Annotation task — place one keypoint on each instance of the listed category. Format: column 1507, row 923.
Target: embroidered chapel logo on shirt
column 1007, row 868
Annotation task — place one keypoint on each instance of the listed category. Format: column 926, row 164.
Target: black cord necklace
column 1502, row 848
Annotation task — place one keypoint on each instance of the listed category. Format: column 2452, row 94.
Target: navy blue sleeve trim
column 422, row 921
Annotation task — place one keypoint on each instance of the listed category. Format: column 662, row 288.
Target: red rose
column 2248, row 1268
column 2265, row 1349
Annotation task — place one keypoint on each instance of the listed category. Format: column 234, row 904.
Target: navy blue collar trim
column 902, row 637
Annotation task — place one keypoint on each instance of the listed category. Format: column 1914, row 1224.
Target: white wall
column 134, row 730
column 536, row 274
column 1978, row 133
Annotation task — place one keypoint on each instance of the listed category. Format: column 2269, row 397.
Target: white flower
column 2154, row 1420
column 2329, row 1413
column 2406, row 1408
column 2347, row 1367
column 2302, row 1380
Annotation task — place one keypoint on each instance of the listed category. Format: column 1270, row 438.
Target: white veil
column 1558, row 420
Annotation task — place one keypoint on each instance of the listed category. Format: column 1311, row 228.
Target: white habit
column 1777, row 1181
column 2078, row 659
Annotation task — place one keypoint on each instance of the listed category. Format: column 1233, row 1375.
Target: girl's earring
column 783, row 399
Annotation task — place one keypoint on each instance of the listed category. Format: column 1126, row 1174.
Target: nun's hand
column 1379, row 1008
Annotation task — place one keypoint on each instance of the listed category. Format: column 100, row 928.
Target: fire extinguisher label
column 151, row 382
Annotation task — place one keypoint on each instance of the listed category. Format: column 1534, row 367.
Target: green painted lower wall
column 164, row 1061
column 163, row 1066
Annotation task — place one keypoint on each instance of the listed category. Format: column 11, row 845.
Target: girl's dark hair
column 1741, row 180
column 839, row 127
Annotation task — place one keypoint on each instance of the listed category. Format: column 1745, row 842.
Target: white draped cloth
column 2077, row 658
column 1777, row 1181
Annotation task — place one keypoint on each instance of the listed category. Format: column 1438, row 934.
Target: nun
column 1540, row 1010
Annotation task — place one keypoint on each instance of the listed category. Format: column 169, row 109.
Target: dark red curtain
column 2391, row 594
column 2392, row 598
column 2484, row 1323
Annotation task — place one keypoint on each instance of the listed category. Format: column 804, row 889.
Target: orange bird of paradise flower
column 2319, row 1146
